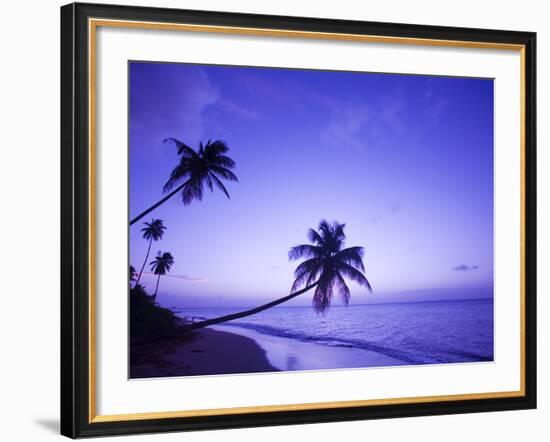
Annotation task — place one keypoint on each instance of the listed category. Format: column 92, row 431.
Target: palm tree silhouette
column 132, row 274
column 328, row 263
column 152, row 231
column 326, row 266
column 209, row 165
column 161, row 266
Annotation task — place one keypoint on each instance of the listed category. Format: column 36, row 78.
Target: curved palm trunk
column 144, row 262
column 242, row 314
column 154, row 206
column 156, row 289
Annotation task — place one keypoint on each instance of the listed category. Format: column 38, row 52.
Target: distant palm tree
column 132, row 274
column 161, row 266
column 209, row 165
column 326, row 266
column 152, row 231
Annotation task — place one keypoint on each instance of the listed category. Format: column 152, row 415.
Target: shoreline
column 204, row 352
column 287, row 354
column 229, row 349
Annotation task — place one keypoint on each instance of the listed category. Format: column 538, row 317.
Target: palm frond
column 305, row 251
column 192, row 190
column 208, row 181
column 307, row 272
column 352, row 256
column 323, row 292
column 223, row 161
column 179, row 173
column 224, row 173
column 183, row 149
column 220, row 185
column 218, row 147
column 314, row 237
column 325, row 229
column 342, row 288
column 353, row 274
column 338, row 231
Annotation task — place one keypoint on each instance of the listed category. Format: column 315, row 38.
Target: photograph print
column 293, row 219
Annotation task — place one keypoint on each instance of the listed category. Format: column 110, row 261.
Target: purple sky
column 405, row 161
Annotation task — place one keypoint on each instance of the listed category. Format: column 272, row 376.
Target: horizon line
column 356, row 305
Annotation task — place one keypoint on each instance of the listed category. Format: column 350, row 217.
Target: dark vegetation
column 147, row 319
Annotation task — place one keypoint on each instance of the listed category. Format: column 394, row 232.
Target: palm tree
column 209, row 165
column 132, row 274
column 161, row 266
column 326, row 265
column 152, row 231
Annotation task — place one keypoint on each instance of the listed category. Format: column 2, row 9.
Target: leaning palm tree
column 152, row 231
column 161, row 266
column 209, row 165
column 327, row 264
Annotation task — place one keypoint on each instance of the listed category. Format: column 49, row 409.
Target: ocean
column 405, row 333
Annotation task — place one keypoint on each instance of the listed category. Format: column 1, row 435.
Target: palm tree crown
column 153, row 230
column 209, row 165
column 328, row 263
column 162, row 263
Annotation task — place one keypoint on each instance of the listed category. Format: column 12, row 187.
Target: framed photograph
column 275, row 220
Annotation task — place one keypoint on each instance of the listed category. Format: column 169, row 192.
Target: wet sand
column 295, row 355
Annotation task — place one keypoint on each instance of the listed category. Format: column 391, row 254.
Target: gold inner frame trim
column 93, row 24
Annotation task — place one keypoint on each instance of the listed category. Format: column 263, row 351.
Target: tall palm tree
column 161, row 266
column 209, row 165
column 326, row 265
column 152, row 231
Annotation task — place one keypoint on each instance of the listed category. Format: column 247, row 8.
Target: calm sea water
column 415, row 333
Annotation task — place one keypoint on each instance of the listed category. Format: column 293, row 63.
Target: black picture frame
column 75, row 221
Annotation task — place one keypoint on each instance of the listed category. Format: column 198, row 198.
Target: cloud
column 239, row 111
column 391, row 108
column 168, row 100
column 185, row 277
column 282, row 90
column 435, row 110
column 465, row 268
column 358, row 124
column 435, row 104
column 345, row 125
column 394, row 209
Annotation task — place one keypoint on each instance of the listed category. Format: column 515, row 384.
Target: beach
column 204, row 352
column 233, row 350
